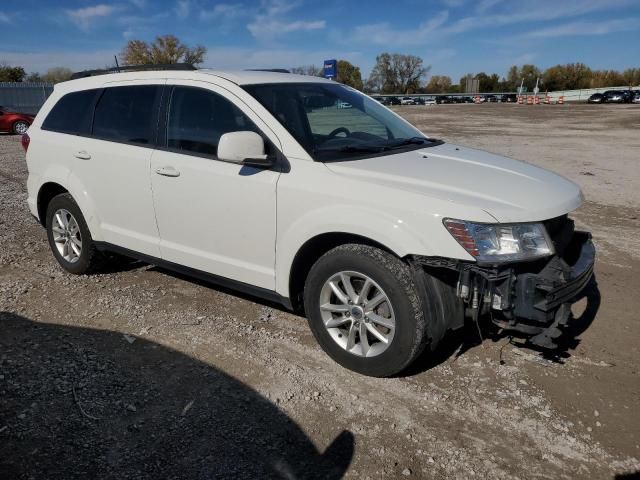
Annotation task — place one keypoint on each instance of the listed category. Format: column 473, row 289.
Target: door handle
column 82, row 155
column 168, row 172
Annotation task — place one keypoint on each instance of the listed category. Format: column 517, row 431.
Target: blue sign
column 330, row 69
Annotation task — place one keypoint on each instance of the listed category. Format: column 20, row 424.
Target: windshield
column 335, row 122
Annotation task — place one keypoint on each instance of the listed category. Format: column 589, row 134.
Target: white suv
column 386, row 238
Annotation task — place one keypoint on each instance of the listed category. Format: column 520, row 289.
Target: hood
column 508, row 190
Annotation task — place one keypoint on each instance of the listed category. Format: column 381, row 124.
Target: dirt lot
column 139, row 373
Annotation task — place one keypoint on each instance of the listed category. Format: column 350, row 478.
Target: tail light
column 25, row 141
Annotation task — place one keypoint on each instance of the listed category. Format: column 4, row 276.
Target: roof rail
column 133, row 68
column 276, row 70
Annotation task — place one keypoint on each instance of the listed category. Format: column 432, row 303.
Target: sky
column 454, row 37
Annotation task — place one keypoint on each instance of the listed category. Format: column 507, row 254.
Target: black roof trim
column 133, row 68
column 275, row 70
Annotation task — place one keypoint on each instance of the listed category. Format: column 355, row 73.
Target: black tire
column 90, row 259
column 16, row 126
column 421, row 316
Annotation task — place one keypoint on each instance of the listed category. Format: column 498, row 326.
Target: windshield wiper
column 354, row 149
column 412, row 141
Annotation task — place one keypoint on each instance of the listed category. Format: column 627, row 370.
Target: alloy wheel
column 357, row 313
column 66, row 235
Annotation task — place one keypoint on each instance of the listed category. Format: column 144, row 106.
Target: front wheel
column 365, row 310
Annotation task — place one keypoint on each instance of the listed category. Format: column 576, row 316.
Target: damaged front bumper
column 530, row 298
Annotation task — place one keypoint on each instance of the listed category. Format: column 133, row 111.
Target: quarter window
column 72, row 113
column 198, row 118
column 126, row 114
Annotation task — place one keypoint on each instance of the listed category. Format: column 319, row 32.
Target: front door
column 213, row 216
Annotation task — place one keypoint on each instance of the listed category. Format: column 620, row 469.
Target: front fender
column 394, row 233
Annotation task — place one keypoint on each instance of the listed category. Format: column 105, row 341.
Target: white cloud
column 83, row 17
column 270, row 22
column 4, row 18
column 139, row 3
column 544, row 11
column 225, row 11
column 236, row 58
column 385, row 34
column 586, row 28
column 183, row 7
column 274, row 28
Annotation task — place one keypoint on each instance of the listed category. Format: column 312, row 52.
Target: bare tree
column 310, row 70
column 438, row 84
column 57, row 75
column 397, row 73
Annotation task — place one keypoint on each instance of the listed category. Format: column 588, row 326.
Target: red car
column 14, row 122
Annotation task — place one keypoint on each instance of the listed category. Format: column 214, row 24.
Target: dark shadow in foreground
column 85, row 403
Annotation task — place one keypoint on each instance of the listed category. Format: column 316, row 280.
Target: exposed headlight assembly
column 498, row 243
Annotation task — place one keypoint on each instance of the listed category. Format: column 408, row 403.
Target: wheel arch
column 312, row 250
column 45, row 194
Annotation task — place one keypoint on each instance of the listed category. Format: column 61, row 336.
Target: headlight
column 492, row 243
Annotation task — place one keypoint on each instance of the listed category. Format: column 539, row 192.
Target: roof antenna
column 115, row 57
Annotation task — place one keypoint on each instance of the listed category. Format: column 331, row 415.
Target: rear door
column 113, row 163
column 213, row 216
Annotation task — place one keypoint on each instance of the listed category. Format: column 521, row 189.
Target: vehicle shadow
column 86, row 403
column 455, row 343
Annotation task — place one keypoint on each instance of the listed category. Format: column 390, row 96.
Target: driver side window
column 198, row 118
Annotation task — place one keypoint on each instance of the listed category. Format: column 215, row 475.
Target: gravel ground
column 140, row 373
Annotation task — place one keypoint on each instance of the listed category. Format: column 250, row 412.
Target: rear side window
column 72, row 113
column 126, row 114
column 198, row 118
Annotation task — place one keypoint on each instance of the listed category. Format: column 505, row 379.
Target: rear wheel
column 69, row 236
column 20, row 127
column 365, row 310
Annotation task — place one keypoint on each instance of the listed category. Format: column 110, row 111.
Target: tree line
column 395, row 73
column 392, row 73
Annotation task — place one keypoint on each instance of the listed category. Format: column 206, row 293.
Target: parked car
column 617, row 96
column 392, row 101
column 509, row 98
column 596, row 98
column 14, row 122
column 429, row 101
column 490, row 98
column 407, row 101
column 385, row 237
column 636, row 96
column 444, row 99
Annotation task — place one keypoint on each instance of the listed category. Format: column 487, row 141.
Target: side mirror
column 244, row 147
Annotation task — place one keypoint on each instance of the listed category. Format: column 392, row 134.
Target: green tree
column 488, row 83
column 529, row 73
column 33, row 77
column 349, row 74
column 11, row 74
column 165, row 49
column 57, row 75
column 438, row 84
